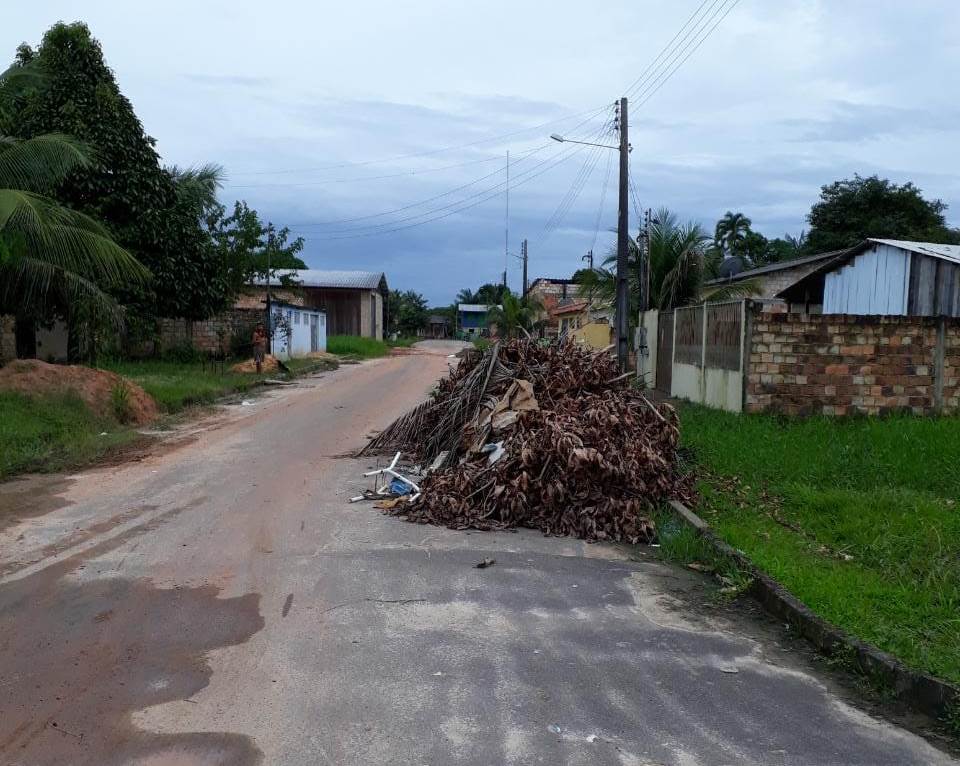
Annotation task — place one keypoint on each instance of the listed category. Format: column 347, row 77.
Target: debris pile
column 548, row 437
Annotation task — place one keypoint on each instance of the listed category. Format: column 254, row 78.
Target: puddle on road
column 30, row 496
column 78, row 658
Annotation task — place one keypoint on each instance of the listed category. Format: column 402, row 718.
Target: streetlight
column 623, row 236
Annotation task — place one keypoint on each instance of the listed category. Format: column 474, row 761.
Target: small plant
column 951, row 717
column 120, row 402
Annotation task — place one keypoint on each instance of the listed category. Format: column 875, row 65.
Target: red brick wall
column 838, row 365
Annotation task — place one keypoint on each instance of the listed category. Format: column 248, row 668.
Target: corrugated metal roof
column 473, row 308
column 778, row 266
column 356, row 280
column 934, row 249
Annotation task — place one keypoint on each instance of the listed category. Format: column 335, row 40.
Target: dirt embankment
column 95, row 387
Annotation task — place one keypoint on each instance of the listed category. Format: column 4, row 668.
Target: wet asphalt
column 220, row 602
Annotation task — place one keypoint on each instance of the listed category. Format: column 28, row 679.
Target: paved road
column 221, row 603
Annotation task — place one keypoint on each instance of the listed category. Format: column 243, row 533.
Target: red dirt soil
column 33, row 377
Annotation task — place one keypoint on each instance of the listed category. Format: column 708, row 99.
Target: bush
column 120, row 402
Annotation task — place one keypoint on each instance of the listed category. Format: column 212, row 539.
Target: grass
column 177, row 385
column 482, row 344
column 52, row 433
column 858, row 518
column 682, row 545
column 355, row 346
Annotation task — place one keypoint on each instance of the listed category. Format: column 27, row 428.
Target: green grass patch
column 176, row 385
column 482, row 344
column 53, row 432
column 857, row 517
column 355, row 346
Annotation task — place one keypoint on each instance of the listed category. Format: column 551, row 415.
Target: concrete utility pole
column 523, row 251
column 589, row 259
column 623, row 246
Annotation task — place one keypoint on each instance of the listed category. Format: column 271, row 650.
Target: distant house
column 584, row 325
column 438, row 326
column 472, row 319
column 882, row 277
column 354, row 301
column 772, row 278
column 552, row 293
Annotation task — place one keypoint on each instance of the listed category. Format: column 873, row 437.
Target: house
column 771, row 279
column 583, row 324
column 472, row 319
column 882, row 277
column 438, row 326
column 354, row 301
column 551, row 293
column 297, row 331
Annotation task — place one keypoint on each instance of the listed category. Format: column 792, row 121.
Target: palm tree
column 50, row 253
column 466, row 295
column 682, row 260
column 514, row 314
column 731, row 232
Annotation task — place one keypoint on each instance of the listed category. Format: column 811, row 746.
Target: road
column 220, row 602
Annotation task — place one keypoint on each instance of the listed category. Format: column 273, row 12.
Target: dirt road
column 221, row 603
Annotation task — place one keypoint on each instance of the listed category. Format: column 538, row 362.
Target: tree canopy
column 852, row 210
column 407, row 311
column 124, row 185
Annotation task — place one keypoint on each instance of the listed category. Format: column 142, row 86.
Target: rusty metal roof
column 351, row 280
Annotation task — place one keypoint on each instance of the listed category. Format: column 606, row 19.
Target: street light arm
column 563, row 140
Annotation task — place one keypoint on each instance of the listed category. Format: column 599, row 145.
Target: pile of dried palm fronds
column 578, row 451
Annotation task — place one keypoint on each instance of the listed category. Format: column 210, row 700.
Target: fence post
column 746, row 328
column 939, row 359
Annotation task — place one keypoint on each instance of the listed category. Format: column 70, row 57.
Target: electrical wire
column 497, row 188
column 325, row 181
column 603, row 199
column 647, row 93
column 429, row 153
column 495, row 194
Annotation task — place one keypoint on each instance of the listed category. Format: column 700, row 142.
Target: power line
column 645, row 95
column 447, row 193
column 495, row 193
column 591, row 112
column 324, row 181
column 665, row 47
column 603, row 199
column 498, row 188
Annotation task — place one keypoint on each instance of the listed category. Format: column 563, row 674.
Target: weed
column 951, row 718
column 120, row 401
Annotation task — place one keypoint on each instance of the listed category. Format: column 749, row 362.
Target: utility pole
column 589, row 259
column 506, row 225
column 645, row 273
column 623, row 244
column 523, row 251
column 269, row 316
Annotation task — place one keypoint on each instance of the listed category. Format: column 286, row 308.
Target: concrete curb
column 920, row 691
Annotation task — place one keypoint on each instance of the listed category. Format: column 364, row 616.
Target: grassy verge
column 858, row 518
column 52, row 433
column 176, row 385
column 355, row 346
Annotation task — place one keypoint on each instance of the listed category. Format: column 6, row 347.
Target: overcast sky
column 780, row 99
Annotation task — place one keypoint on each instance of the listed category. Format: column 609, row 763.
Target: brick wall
column 205, row 336
column 838, row 365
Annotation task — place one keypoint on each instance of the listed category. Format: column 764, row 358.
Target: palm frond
column 66, row 239
column 39, row 164
column 747, row 288
column 198, row 184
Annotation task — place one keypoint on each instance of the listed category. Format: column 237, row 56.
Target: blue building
column 472, row 319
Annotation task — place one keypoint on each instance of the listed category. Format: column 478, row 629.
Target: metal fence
column 723, row 339
column 688, row 335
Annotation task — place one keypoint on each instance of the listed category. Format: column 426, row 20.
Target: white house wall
column 875, row 282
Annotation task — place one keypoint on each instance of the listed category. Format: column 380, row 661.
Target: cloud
column 221, row 80
column 851, row 122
